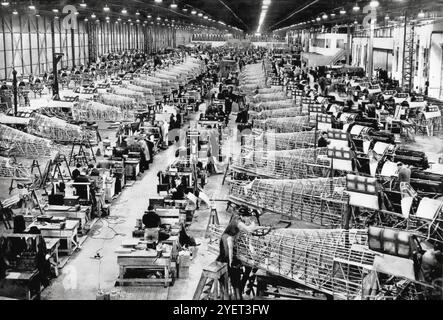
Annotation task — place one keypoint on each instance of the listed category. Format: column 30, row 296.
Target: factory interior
column 249, row 150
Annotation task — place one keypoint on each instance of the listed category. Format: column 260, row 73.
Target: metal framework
column 336, row 262
column 278, row 113
column 271, row 105
column 21, row 144
column 280, row 141
column 95, row 111
column 9, row 168
column 58, row 130
column 320, row 201
column 287, row 164
column 282, row 125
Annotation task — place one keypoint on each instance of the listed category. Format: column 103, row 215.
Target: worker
column 240, row 222
column 323, row 142
column 178, row 193
column 76, row 171
column 151, row 220
column 404, row 173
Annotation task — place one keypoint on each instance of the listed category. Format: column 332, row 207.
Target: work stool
column 213, row 219
column 213, row 284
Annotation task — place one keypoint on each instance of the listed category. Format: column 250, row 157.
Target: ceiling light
column 318, row 18
column 137, row 13
column 159, row 1
column 15, row 12
column 200, row 14
column 421, row 14
column 325, row 16
column 342, row 11
column 83, row 4
column 374, row 3
column 93, row 15
column 56, row 17
column 173, row 5
column 355, row 22
column 158, row 18
column 119, row 19
column 138, row 21
column 206, row 17
column 386, row 17
column 124, row 11
column 107, row 18
column 129, row 20
column 356, row 7
column 76, row 13
column 106, row 8
column 86, row 20
column 149, row 16
column 332, row 15
column 193, row 12
column 5, row 3
column 55, row 10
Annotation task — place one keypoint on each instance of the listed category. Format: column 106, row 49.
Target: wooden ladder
column 213, row 284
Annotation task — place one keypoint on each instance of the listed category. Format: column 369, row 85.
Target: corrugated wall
column 28, row 42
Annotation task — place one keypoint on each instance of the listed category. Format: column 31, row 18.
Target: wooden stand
column 213, row 284
column 213, row 219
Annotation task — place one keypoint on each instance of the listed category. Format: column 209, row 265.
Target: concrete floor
column 83, row 275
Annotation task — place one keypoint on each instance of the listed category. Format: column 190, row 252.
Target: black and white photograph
column 221, row 158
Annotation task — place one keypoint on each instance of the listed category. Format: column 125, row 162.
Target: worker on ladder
column 240, row 222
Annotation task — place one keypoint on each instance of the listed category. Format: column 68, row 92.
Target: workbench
column 148, row 260
column 71, row 213
column 23, row 285
column 52, row 246
column 68, row 235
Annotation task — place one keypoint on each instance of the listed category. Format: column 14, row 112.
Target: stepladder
column 214, row 283
column 213, row 218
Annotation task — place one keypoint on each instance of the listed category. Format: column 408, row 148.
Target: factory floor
column 83, row 275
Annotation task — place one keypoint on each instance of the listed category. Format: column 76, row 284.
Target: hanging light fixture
column 374, row 3
column 93, row 16
column 15, row 12
column 318, row 18
column 173, row 5
column 31, row 6
column 200, row 14
column 158, row 18
column 124, row 11
column 325, row 16
column 185, row 10
column 119, row 19
column 421, row 14
column 5, row 3
column 332, row 15
column 106, row 8
column 137, row 13
column 386, row 17
column 149, row 16
column 83, row 4
column 193, row 12
column 159, row 1
column 55, row 10
column 85, row 20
